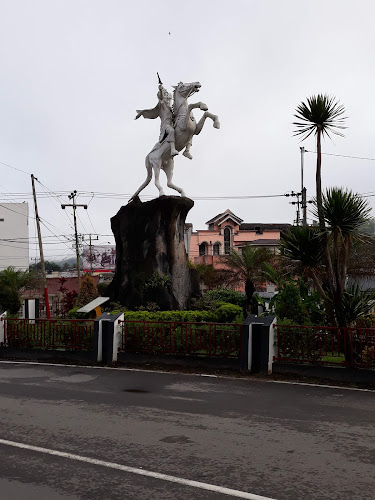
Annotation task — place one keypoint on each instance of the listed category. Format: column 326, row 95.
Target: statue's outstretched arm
column 149, row 113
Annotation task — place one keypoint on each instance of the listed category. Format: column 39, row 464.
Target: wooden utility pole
column 72, row 196
column 41, row 249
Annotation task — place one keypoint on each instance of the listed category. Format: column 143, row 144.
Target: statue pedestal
column 151, row 259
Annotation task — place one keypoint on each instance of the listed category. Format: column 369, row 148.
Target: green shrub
column 73, row 314
column 228, row 296
column 229, row 313
column 178, row 316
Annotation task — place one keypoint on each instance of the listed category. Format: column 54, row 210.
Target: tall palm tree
column 247, row 267
column 322, row 116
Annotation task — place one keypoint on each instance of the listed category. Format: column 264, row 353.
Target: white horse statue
column 185, row 126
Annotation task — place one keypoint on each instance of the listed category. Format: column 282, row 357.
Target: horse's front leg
column 198, row 105
column 200, row 124
column 168, row 167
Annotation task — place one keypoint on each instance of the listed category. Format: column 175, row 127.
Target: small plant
column 156, row 281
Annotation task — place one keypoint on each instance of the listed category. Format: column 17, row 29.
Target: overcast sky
column 73, row 72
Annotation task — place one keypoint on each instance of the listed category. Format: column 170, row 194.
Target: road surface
column 91, row 433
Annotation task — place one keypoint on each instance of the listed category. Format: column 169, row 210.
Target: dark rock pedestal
column 151, row 260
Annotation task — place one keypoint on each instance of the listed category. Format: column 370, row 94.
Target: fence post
column 2, row 327
column 30, row 310
column 111, row 330
column 262, row 345
column 246, row 343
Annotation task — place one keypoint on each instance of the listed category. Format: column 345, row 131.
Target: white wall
column 14, row 236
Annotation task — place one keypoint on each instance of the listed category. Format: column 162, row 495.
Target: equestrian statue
column 177, row 128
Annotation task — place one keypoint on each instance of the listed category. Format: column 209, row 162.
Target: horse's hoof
column 216, row 124
column 187, row 155
column 203, row 107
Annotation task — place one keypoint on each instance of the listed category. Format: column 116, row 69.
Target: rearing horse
column 185, row 127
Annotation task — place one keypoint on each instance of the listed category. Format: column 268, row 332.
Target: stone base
column 151, row 259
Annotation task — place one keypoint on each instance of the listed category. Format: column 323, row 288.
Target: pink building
column 226, row 231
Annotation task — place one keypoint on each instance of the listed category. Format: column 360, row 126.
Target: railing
column 326, row 345
column 49, row 334
column 177, row 338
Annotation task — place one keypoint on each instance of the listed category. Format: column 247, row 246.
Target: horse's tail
column 147, row 181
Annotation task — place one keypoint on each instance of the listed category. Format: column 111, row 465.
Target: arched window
column 226, row 240
column 216, row 249
column 202, row 249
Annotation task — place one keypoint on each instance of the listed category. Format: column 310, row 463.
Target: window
column 202, row 249
column 1, row 220
column 216, row 249
column 226, row 241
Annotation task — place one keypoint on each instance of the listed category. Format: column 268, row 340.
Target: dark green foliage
column 209, row 299
column 247, row 267
column 155, row 288
column 344, row 211
column 73, row 314
column 289, row 304
column 229, row 313
column 181, row 316
column 302, row 244
column 357, row 304
column 103, row 289
column 87, row 292
column 11, row 284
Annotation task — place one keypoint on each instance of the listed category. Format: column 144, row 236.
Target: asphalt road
column 275, row 440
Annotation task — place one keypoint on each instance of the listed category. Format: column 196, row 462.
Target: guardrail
column 326, row 345
column 178, row 338
column 48, row 334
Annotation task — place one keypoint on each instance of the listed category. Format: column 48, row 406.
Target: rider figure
column 163, row 110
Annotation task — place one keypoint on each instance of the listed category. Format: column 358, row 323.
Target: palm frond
column 343, row 211
column 320, row 112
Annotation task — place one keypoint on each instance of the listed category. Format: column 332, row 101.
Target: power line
column 15, row 168
column 343, row 156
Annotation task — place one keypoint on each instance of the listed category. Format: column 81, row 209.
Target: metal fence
column 49, row 334
column 326, row 345
column 178, row 338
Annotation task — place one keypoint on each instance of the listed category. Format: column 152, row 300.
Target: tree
column 321, row 116
column 12, row 283
column 49, row 265
column 87, row 292
column 344, row 213
column 210, row 276
column 247, row 267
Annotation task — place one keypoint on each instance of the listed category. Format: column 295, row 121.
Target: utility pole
column 298, row 203
column 72, row 196
column 41, row 249
column 303, row 189
column 90, row 237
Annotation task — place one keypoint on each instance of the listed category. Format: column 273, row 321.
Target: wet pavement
column 277, row 440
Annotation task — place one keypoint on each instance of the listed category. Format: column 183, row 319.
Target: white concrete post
column 272, row 347
column 2, row 327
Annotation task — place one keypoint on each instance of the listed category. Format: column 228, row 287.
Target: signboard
column 99, row 258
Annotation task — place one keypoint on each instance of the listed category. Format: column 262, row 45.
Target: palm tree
column 316, row 252
column 344, row 213
column 321, row 116
column 247, row 267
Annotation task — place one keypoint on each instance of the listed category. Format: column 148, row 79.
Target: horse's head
column 187, row 89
